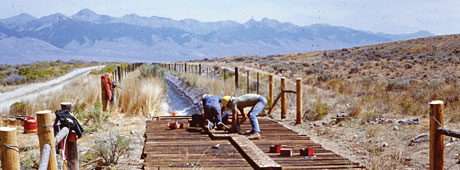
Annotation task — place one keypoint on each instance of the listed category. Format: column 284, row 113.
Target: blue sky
column 390, row 16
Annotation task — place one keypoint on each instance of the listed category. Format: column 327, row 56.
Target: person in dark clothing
column 213, row 112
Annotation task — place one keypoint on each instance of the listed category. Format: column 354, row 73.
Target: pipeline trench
column 184, row 148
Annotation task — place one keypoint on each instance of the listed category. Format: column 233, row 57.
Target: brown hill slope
column 417, row 70
column 379, row 85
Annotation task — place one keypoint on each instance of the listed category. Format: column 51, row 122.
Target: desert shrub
column 141, row 95
column 320, row 110
column 151, row 71
column 111, row 147
column 339, row 86
column 29, row 160
column 107, row 69
column 392, row 160
column 20, row 108
column 369, row 115
column 93, row 119
column 355, row 110
column 26, row 73
column 13, row 78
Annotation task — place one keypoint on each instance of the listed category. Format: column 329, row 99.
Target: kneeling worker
column 237, row 105
column 213, row 112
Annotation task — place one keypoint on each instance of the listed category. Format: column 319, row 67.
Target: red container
column 310, row 151
column 30, row 125
column 277, row 148
column 286, row 152
column 303, row 152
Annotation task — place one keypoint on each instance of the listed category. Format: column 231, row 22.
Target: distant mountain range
column 90, row 36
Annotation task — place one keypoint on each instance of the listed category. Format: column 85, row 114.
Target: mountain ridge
column 157, row 38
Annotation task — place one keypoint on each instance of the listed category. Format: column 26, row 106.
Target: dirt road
column 31, row 91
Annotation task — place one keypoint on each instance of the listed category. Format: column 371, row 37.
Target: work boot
column 254, row 136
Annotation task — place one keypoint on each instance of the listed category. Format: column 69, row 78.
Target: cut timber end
column 437, row 102
column 7, row 129
column 43, row 112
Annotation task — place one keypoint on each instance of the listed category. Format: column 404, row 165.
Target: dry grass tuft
column 141, row 95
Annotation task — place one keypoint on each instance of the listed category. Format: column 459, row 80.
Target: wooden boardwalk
column 182, row 149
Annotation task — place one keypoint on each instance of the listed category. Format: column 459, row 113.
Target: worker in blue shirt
column 213, row 112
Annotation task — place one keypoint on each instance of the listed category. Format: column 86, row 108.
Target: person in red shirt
column 106, row 91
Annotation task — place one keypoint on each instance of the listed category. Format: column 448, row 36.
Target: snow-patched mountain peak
column 90, row 16
column 17, row 20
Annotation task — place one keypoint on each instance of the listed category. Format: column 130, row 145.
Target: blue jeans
column 214, row 115
column 255, row 111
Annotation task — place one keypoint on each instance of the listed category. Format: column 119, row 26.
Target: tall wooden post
column 225, row 77
column 119, row 73
column 299, row 107
column 283, row 97
column 236, row 79
column 270, row 90
column 9, row 148
column 199, row 69
column 436, row 138
column 185, row 67
column 175, row 67
column 247, row 82
column 257, row 82
column 46, row 136
column 114, row 77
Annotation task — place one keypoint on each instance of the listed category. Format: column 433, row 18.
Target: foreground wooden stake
column 436, row 138
column 257, row 82
column 298, row 87
column 283, row 98
column 270, row 91
column 9, row 148
column 46, row 136
column 236, row 79
column 248, row 89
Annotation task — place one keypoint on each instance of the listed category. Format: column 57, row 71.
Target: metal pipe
column 45, row 157
column 62, row 134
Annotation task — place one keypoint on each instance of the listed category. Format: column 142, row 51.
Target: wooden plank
column 256, row 157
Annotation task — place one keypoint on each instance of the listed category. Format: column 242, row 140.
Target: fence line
column 223, row 72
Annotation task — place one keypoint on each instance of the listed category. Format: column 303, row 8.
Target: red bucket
column 30, row 124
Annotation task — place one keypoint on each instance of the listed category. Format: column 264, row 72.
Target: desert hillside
column 382, row 87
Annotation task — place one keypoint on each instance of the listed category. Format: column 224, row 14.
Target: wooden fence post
column 236, row 80
column 199, row 67
column 436, row 138
column 283, row 97
column 298, row 85
column 247, row 82
column 119, row 73
column 185, row 67
column 46, row 136
column 257, row 82
column 9, row 148
column 270, row 90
